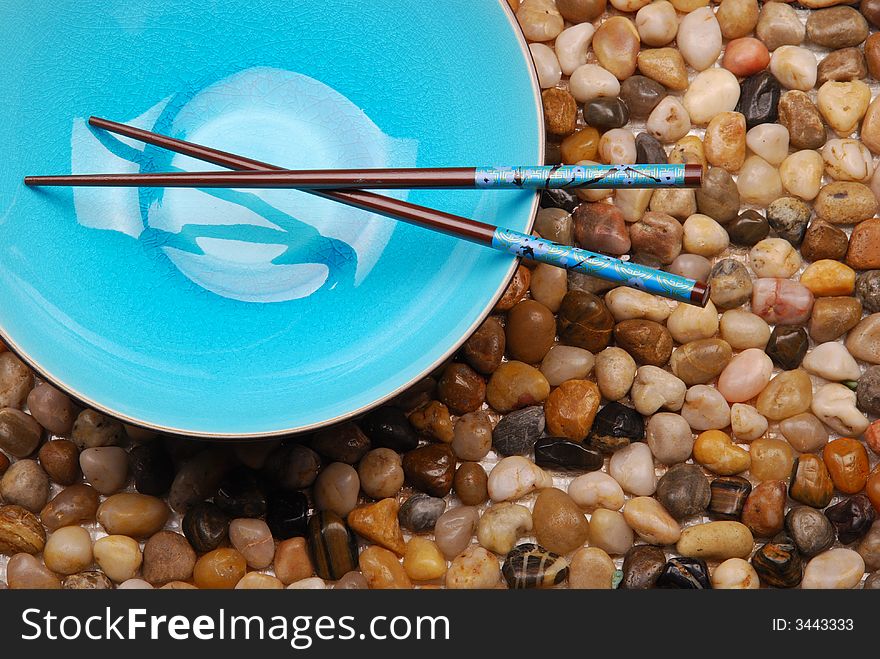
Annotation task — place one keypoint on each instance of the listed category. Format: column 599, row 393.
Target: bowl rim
column 86, row 402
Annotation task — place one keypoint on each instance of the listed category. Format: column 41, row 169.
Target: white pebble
column 835, row 568
column 309, row 583
column 746, row 422
column 669, row 121
column 626, row 303
column 654, row 388
column 735, row 574
column 615, row 371
column 592, row 81
column 705, row 408
column 835, row 405
column 699, row 38
column 572, row 46
column 801, row 173
column 514, row 477
column 848, row 160
column 774, row 257
column 794, row 67
column 596, row 490
column 713, row 91
column 546, row 65
column 832, row 361
column 770, row 141
column 690, row 323
column 618, row 147
column 633, row 467
column 758, row 182
column 657, row 23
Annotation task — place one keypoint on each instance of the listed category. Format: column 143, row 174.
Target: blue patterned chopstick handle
column 633, row 275
column 581, row 176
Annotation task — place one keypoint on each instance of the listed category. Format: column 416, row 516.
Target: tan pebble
column 770, row 142
column 475, row 568
column 610, row 532
column 870, row 131
column 632, row 203
column 657, row 23
column 118, row 556
column 845, row 202
column 649, row 519
column 746, row 423
column 423, row 560
column 253, row 539
column 725, row 141
column 616, row 46
column 664, row 65
column 843, row 104
column 743, row 329
column 716, row 541
column 540, row 20
column 24, row 572
column 788, row 393
column 615, row 371
column 558, row 522
column 591, row 568
column 774, row 257
column 382, row 570
column 689, row 150
column 514, row 477
column 68, row 550
column 804, row 432
column 737, row 18
column 689, row 322
column 828, row 277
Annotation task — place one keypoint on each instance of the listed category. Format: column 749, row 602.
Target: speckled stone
column 518, row 431
column 642, row 566
column 809, row 529
column 730, row 284
column 868, row 290
column 788, row 217
column 802, row 119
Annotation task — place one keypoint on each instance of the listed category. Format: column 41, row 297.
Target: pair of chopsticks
column 344, row 186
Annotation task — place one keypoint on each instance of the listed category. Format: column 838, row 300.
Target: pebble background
column 584, row 436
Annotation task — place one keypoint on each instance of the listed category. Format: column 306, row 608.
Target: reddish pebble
column 601, row 227
column 872, row 436
column 781, row 301
column 746, row 56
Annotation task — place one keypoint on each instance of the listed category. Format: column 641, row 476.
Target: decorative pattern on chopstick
column 560, row 176
column 604, row 267
column 589, row 176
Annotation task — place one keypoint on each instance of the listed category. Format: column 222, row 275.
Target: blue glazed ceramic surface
column 249, row 313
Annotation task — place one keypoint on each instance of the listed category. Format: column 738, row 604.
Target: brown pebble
column 601, row 227
column 657, row 234
column 647, row 341
column 560, row 111
column 4, row 463
column 23, row 571
column 20, row 434
column 60, row 459
column 134, row 515
column 516, row 289
column 580, row 145
column 380, row 474
column 530, row 331
column 168, row 557
column 584, row 321
column 461, row 388
column 25, row 484
column 484, row 350
column 430, row 469
column 52, row 409
column 471, row 484
column 20, row 531
column 571, row 409
column 872, row 54
column 292, row 561
column 764, row 510
column 832, row 317
column 77, row 504
column 221, row 568
column 802, row 119
column 842, row 65
column 824, row 241
column 864, row 246
column 559, row 524
column 433, row 420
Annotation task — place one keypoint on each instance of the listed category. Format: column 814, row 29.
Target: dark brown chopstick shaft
column 472, row 230
column 458, row 177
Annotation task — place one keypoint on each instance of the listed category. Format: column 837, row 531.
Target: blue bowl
column 224, row 313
